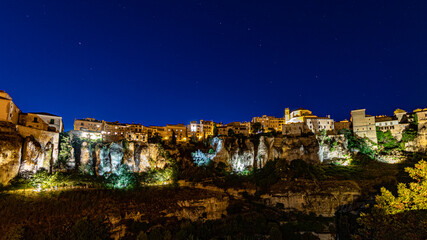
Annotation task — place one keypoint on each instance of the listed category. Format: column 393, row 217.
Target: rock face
column 211, row 208
column 32, row 158
column 100, row 158
column 321, row 200
column 245, row 155
column 10, row 155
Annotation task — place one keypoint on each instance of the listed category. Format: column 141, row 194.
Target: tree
column 256, row 127
column 173, row 138
column 230, row 132
column 156, row 138
column 386, row 139
column 403, row 216
column 215, row 130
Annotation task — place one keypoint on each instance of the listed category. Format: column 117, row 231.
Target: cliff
column 25, row 150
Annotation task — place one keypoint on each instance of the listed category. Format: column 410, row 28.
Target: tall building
column 364, row 125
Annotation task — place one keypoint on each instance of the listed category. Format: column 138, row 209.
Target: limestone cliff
column 241, row 155
column 100, row 158
column 10, row 155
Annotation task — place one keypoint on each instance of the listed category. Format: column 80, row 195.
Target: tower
column 287, row 115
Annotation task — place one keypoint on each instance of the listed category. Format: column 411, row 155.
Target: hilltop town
column 294, row 123
column 296, row 166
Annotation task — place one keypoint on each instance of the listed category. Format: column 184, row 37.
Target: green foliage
column 409, row 134
column 359, row 144
column 65, row 148
column 386, row 140
column 42, row 179
column 389, row 216
column 122, row 179
column 159, row 176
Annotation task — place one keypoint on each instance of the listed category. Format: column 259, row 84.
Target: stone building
column 180, row 131
column 269, row 123
column 317, row 124
column 364, row 125
column 390, row 123
column 307, row 122
column 42, row 121
column 344, row 124
column 299, row 115
column 201, row 129
column 9, row 112
column 89, row 124
column 295, row 129
column 236, row 127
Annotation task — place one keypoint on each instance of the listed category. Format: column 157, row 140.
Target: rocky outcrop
column 206, row 209
column 247, row 154
column 10, row 155
column 324, row 199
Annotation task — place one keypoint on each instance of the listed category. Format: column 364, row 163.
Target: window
column 35, row 119
column 52, row 121
column 81, row 124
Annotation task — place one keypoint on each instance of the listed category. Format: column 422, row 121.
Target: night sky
column 157, row 62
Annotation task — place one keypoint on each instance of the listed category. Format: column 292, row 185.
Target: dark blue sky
column 158, row 62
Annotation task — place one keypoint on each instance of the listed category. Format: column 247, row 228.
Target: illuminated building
column 89, row 124
column 344, row 124
column 236, row 127
column 201, row 129
column 42, row 121
column 298, row 115
column 295, row 129
column 9, row 112
column 269, row 123
column 302, row 121
column 180, row 131
column 364, row 125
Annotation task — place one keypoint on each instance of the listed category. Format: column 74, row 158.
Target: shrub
column 123, row 179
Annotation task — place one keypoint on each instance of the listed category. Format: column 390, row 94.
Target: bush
column 42, row 179
column 123, row 179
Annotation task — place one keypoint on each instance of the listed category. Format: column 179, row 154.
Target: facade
column 180, row 131
column 299, row 115
column 201, row 129
column 89, row 124
column 364, row 125
column 236, row 127
column 338, row 126
column 269, row 123
column 9, row 112
column 317, row 124
column 42, row 121
column 295, row 129
column 387, row 123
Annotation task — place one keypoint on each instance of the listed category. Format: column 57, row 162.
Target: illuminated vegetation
column 403, row 214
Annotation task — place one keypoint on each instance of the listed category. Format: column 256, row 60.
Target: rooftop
column 44, row 113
